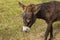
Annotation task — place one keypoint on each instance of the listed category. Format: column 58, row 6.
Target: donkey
column 49, row 11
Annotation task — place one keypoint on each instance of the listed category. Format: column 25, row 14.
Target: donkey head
column 29, row 15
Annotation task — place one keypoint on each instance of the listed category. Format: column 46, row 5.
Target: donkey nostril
column 26, row 29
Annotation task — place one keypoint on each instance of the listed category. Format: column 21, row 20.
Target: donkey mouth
column 26, row 29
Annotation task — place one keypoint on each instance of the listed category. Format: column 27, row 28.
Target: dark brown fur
column 49, row 11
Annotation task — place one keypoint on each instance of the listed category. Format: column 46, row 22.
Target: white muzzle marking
column 26, row 29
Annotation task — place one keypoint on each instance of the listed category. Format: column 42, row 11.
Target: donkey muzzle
column 26, row 29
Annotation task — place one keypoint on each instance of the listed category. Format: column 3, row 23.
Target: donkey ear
column 36, row 8
column 22, row 5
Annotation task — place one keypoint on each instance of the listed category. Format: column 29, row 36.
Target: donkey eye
column 29, row 18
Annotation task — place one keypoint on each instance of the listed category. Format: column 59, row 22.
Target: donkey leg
column 48, row 30
column 47, row 33
column 51, row 33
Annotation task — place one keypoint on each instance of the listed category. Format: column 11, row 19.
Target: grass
column 11, row 22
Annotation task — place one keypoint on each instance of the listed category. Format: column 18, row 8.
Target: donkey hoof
column 51, row 39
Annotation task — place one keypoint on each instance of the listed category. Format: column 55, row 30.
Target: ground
column 11, row 22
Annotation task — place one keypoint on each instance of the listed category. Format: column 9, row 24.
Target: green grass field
column 11, row 22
